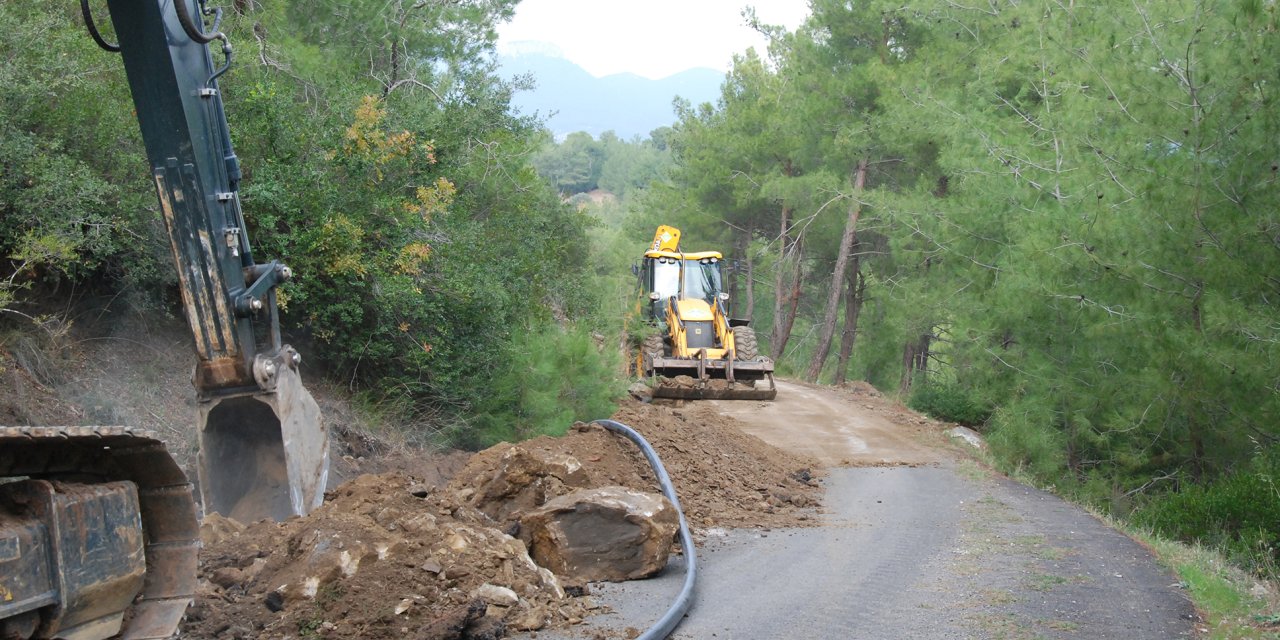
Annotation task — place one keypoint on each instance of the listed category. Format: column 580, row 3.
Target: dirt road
column 922, row 544
column 837, row 429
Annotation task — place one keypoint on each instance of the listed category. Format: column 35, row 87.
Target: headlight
column 655, row 296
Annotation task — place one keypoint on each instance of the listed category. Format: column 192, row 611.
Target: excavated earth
column 397, row 556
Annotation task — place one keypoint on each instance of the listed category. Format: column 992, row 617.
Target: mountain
column 578, row 101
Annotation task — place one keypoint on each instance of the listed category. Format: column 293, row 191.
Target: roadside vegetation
column 439, row 277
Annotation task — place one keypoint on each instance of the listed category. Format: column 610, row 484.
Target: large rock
column 969, row 437
column 609, row 533
column 524, row 480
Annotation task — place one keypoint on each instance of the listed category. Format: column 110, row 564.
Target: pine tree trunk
column 751, row 277
column 854, row 289
column 776, row 341
column 734, row 274
column 789, row 300
column 847, row 240
column 915, row 359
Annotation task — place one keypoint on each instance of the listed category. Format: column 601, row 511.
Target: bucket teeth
column 713, row 389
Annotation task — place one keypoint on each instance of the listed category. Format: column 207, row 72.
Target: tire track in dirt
column 815, row 421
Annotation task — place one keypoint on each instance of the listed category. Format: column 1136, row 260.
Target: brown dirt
column 427, row 556
column 28, row 402
column 723, row 476
column 849, row 426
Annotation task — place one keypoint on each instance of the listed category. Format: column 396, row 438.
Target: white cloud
column 653, row 39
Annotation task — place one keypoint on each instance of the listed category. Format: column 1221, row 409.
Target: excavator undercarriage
column 94, row 521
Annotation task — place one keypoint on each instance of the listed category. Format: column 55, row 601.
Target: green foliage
column 581, row 164
column 1236, row 512
column 546, row 380
column 948, row 401
column 1018, row 436
column 382, row 162
column 65, row 209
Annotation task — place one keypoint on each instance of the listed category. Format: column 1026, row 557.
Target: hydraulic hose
column 93, row 29
column 189, row 25
column 671, row 619
column 196, row 33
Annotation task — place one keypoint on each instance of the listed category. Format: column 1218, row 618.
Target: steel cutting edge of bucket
column 711, row 389
column 743, row 370
column 263, row 455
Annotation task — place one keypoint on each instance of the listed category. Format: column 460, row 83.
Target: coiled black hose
column 196, row 33
column 671, row 619
column 189, row 25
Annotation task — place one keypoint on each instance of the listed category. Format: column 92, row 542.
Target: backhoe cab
column 693, row 349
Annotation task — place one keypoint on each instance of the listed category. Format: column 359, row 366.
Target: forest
column 1055, row 222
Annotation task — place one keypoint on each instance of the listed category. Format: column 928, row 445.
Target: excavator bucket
column 263, row 455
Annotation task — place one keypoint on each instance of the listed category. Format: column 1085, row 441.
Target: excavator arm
column 98, row 525
column 263, row 449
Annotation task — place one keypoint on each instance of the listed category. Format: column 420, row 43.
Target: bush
column 1238, row 513
column 551, row 377
column 1024, row 434
column 950, row 402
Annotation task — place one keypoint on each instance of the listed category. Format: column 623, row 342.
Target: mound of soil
column 389, row 556
column 384, row 557
column 723, row 477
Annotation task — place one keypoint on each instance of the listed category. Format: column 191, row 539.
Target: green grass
column 1046, row 582
column 1224, row 594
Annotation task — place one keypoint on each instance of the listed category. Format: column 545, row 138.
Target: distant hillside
column 626, row 103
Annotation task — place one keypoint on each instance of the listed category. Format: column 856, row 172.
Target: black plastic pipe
column 671, row 619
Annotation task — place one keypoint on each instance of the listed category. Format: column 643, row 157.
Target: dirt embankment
column 390, row 556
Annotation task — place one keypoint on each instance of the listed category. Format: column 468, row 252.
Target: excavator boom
column 98, row 525
column 263, row 449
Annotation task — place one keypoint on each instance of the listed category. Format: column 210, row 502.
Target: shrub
column 948, row 401
column 1024, row 434
column 1238, row 512
column 550, row 378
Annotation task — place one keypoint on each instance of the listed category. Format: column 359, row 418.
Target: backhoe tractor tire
column 744, row 344
column 653, row 347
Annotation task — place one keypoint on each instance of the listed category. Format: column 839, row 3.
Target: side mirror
column 635, row 269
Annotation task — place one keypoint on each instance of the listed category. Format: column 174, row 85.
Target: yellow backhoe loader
column 692, row 349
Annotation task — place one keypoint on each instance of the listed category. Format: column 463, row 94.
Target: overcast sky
column 650, row 38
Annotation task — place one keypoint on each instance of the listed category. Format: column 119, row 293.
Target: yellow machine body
column 694, row 349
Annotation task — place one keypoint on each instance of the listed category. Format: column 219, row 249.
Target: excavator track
column 125, row 479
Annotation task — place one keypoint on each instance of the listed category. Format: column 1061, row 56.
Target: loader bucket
column 687, row 388
column 700, row 378
column 263, row 455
